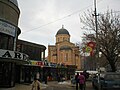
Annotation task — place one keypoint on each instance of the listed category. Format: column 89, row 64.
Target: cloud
column 41, row 19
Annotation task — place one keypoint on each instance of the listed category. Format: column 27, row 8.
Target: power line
column 69, row 15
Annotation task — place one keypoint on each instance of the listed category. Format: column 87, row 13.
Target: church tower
column 64, row 51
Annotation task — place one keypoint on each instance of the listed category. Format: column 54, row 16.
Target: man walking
column 77, row 81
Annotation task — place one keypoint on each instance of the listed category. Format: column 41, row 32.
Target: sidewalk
column 43, row 86
column 23, row 87
column 64, row 84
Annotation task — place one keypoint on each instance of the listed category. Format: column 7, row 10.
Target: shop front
column 8, row 63
column 30, row 70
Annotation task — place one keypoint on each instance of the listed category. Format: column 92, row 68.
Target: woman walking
column 81, row 78
column 36, row 85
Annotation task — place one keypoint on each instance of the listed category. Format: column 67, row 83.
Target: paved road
column 65, row 86
column 52, row 85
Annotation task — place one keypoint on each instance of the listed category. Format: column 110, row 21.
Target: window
column 58, row 39
column 63, row 38
column 6, row 42
column 10, row 43
column 66, row 56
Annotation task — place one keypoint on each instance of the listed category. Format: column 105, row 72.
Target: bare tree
column 108, row 34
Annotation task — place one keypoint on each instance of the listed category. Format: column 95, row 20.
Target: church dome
column 14, row 2
column 62, row 31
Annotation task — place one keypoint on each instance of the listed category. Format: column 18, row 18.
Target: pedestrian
column 37, row 75
column 81, row 78
column 36, row 85
column 45, row 77
column 58, row 77
column 86, row 75
column 77, row 80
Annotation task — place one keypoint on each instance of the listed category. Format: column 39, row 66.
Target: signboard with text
column 13, row 55
column 7, row 28
column 38, row 63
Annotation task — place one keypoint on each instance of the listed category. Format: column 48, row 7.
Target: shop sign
column 39, row 63
column 7, row 28
column 13, row 55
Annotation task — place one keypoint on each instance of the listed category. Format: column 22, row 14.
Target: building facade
column 64, row 51
column 36, row 53
column 9, row 31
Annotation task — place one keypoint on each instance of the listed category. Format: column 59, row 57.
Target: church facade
column 64, row 51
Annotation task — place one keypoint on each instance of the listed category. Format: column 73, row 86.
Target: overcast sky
column 41, row 19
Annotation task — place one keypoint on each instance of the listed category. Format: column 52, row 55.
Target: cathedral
column 64, row 51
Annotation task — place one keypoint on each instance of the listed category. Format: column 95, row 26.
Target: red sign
column 38, row 63
column 91, row 44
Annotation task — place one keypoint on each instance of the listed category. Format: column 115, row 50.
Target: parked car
column 108, row 81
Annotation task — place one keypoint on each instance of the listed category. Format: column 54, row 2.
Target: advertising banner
column 7, row 28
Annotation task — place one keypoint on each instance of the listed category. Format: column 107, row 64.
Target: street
column 65, row 86
column 52, row 85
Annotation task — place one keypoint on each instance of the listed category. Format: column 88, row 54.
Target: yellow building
column 64, row 51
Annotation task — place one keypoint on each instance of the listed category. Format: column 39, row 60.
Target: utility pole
column 97, row 42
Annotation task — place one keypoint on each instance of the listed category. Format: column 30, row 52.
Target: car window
column 112, row 76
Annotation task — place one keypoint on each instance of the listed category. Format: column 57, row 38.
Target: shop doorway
column 7, row 74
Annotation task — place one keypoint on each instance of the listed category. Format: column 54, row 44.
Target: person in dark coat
column 86, row 74
column 45, row 77
column 58, row 77
column 77, row 80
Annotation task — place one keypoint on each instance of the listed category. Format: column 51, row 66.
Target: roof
column 62, row 31
column 14, row 2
